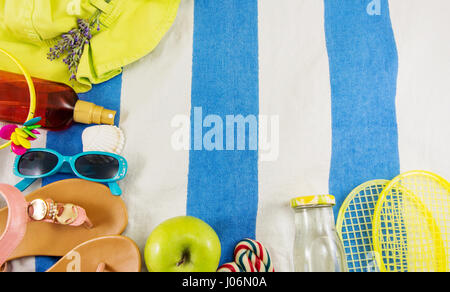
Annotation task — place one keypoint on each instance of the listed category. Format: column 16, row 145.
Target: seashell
column 103, row 138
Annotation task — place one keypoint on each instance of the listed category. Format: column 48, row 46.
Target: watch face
column 40, row 210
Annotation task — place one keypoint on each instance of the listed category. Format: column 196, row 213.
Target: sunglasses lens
column 97, row 166
column 37, row 163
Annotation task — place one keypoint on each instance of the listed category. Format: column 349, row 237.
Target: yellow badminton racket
column 354, row 225
column 30, row 88
column 411, row 224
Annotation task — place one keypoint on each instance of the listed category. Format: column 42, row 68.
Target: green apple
column 183, row 244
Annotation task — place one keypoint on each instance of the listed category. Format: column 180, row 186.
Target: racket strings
column 413, row 229
column 355, row 226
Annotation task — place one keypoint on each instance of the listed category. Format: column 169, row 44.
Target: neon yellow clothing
column 132, row 29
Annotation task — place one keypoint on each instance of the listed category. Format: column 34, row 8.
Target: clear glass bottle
column 317, row 246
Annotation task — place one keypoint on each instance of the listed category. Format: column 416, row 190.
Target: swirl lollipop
column 249, row 256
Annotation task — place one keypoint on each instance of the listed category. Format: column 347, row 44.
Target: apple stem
column 184, row 258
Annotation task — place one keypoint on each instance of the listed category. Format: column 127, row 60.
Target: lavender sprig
column 72, row 43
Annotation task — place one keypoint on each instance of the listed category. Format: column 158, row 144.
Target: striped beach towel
column 246, row 104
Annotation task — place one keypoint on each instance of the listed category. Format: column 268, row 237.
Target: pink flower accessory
column 21, row 137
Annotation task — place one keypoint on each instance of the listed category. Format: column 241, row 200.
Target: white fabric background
column 294, row 84
column 154, row 91
column 422, row 31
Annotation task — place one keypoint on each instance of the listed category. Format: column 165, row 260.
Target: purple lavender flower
column 73, row 42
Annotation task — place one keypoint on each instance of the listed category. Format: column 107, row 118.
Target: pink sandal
column 21, row 213
column 38, row 211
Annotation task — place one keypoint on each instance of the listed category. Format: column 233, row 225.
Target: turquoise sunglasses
column 101, row 167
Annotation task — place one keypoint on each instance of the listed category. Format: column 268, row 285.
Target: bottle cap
column 309, row 201
column 89, row 113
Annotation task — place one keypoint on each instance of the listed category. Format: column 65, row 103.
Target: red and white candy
column 249, row 256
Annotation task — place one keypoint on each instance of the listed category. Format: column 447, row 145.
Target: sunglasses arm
column 25, row 184
column 115, row 189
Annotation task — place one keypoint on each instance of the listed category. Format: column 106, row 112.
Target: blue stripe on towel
column 363, row 70
column 68, row 142
column 223, row 185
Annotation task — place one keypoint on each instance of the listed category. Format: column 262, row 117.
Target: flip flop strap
column 18, row 219
column 72, row 215
column 16, row 225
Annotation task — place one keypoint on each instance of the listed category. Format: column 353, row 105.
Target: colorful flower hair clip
column 20, row 137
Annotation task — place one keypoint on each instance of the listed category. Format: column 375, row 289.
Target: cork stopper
column 89, row 113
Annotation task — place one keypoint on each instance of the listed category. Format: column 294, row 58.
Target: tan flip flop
column 104, row 254
column 99, row 214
